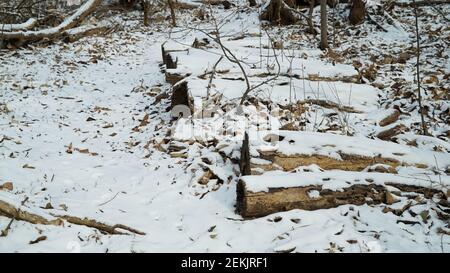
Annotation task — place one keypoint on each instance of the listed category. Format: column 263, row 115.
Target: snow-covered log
column 262, row 195
column 70, row 22
column 329, row 151
column 29, row 24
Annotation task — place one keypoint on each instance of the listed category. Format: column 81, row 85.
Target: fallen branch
column 98, row 225
column 29, row 24
column 75, row 34
column 213, row 72
column 68, row 23
column 262, row 195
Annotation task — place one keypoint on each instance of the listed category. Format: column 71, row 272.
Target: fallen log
column 70, row 22
column 75, row 34
column 259, row 196
column 29, row 24
column 330, row 151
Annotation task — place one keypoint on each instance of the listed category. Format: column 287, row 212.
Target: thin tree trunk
column 172, row 12
column 323, row 25
column 419, row 93
column 146, row 8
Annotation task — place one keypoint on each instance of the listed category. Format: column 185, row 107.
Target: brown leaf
column 7, row 186
column 26, row 166
column 40, row 238
column 144, row 121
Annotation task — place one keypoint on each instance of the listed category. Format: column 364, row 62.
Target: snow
column 57, row 101
column 338, row 180
column 332, row 145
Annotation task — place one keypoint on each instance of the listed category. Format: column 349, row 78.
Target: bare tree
column 323, row 24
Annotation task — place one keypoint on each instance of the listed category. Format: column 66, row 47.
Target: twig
column 212, row 76
column 110, row 199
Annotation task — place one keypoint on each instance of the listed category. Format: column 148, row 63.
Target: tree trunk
column 279, row 12
column 146, row 9
column 419, row 93
column 172, row 12
column 357, row 12
column 323, row 25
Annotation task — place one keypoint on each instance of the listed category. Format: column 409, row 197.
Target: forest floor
column 86, row 131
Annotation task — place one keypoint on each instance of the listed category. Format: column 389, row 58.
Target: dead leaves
column 143, row 122
column 70, row 150
column 7, row 186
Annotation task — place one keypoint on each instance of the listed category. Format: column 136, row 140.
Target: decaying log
column 348, row 163
column 257, row 204
column 86, row 9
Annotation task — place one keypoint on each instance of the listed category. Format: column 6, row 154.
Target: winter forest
column 269, row 126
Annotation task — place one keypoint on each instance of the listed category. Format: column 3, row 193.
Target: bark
column 146, row 10
column 257, row 204
column 349, row 162
column 323, row 25
column 244, row 162
column 172, row 12
column 357, row 12
column 278, row 12
column 29, row 24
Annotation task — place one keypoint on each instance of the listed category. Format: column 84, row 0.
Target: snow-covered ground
column 81, row 135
